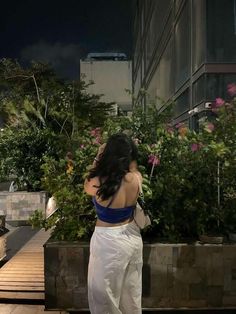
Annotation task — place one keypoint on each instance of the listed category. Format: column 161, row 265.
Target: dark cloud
column 62, row 31
column 64, row 58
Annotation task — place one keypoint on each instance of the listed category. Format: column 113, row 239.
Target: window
column 182, row 47
column 199, row 93
column 166, row 72
column 182, row 103
column 137, row 82
column 177, row 5
column 216, row 85
column 221, row 38
column 156, row 26
column 198, row 33
column 136, row 52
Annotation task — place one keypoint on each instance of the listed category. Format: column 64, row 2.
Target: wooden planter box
column 174, row 276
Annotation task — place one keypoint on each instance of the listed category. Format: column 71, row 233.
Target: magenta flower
column 231, row 88
column 170, row 130
column 210, row 127
column 152, row 159
column 219, row 102
column 97, row 140
column 179, row 125
column 95, row 132
column 194, row 147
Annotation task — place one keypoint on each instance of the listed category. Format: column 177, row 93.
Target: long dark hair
column 113, row 164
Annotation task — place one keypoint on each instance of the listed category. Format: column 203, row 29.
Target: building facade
column 111, row 74
column 185, row 51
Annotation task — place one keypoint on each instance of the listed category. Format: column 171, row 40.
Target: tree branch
column 27, row 77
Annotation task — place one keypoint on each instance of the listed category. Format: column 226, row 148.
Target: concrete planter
column 232, row 237
column 18, row 206
column 174, row 276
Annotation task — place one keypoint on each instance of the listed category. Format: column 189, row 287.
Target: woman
column 115, row 264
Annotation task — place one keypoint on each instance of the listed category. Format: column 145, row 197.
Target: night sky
column 63, row 32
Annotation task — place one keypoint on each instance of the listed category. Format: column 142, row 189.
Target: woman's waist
column 101, row 223
column 114, row 216
column 103, row 227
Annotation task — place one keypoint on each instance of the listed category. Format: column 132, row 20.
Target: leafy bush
column 22, row 153
column 64, row 179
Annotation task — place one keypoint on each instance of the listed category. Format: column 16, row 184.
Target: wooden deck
column 25, row 309
column 22, row 277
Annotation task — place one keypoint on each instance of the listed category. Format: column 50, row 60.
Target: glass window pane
column 216, row 85
column 156, row 26
column 153, row 88
column 199, row 28
column 199, row 90
column 221, row 34
column 177, row 4
column 182, row 103
column 137, row 84
column 182, row 47
column 166, row 72
column 136, row 52
column 161, row 84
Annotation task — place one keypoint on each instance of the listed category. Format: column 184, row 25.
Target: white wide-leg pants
column 115, row 270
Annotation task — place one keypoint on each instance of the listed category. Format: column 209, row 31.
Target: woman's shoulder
column 133, row 177
column 91, row 185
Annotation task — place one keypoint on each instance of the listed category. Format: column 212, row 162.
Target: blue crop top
column 113, row 215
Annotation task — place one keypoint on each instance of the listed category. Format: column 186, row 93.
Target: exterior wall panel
column 189, row 50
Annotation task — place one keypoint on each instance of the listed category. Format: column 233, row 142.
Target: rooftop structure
column 116, row 56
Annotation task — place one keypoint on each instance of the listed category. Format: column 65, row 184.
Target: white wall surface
column 110, row 78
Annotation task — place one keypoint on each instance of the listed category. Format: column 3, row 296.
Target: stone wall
column 18, row 206
column 174, row 276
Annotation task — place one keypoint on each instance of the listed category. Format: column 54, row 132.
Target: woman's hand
column 101, row 149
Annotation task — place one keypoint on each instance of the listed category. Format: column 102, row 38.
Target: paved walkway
column 17, row 237
column 22, row 277
column 24, row 309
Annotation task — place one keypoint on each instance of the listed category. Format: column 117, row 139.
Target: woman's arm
column 91, row 185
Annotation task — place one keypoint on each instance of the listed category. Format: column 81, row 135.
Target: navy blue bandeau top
column 113, row 215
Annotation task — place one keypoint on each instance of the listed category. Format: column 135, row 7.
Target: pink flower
column 231, row 88
column 219, row 102
column 214, row 108
column 210, row 127
column 169, row 130
column 179, row 125
column 196, row 146
column 82, row 146
column 97, row 140
column 95, row 132
column 152, row 159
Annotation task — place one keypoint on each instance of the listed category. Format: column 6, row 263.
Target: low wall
column 174, row 276
column 18, row 206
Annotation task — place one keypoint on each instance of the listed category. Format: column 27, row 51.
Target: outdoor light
column 194, row 110
column 208, row 105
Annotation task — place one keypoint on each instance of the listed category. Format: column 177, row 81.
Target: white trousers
column 115, row 270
